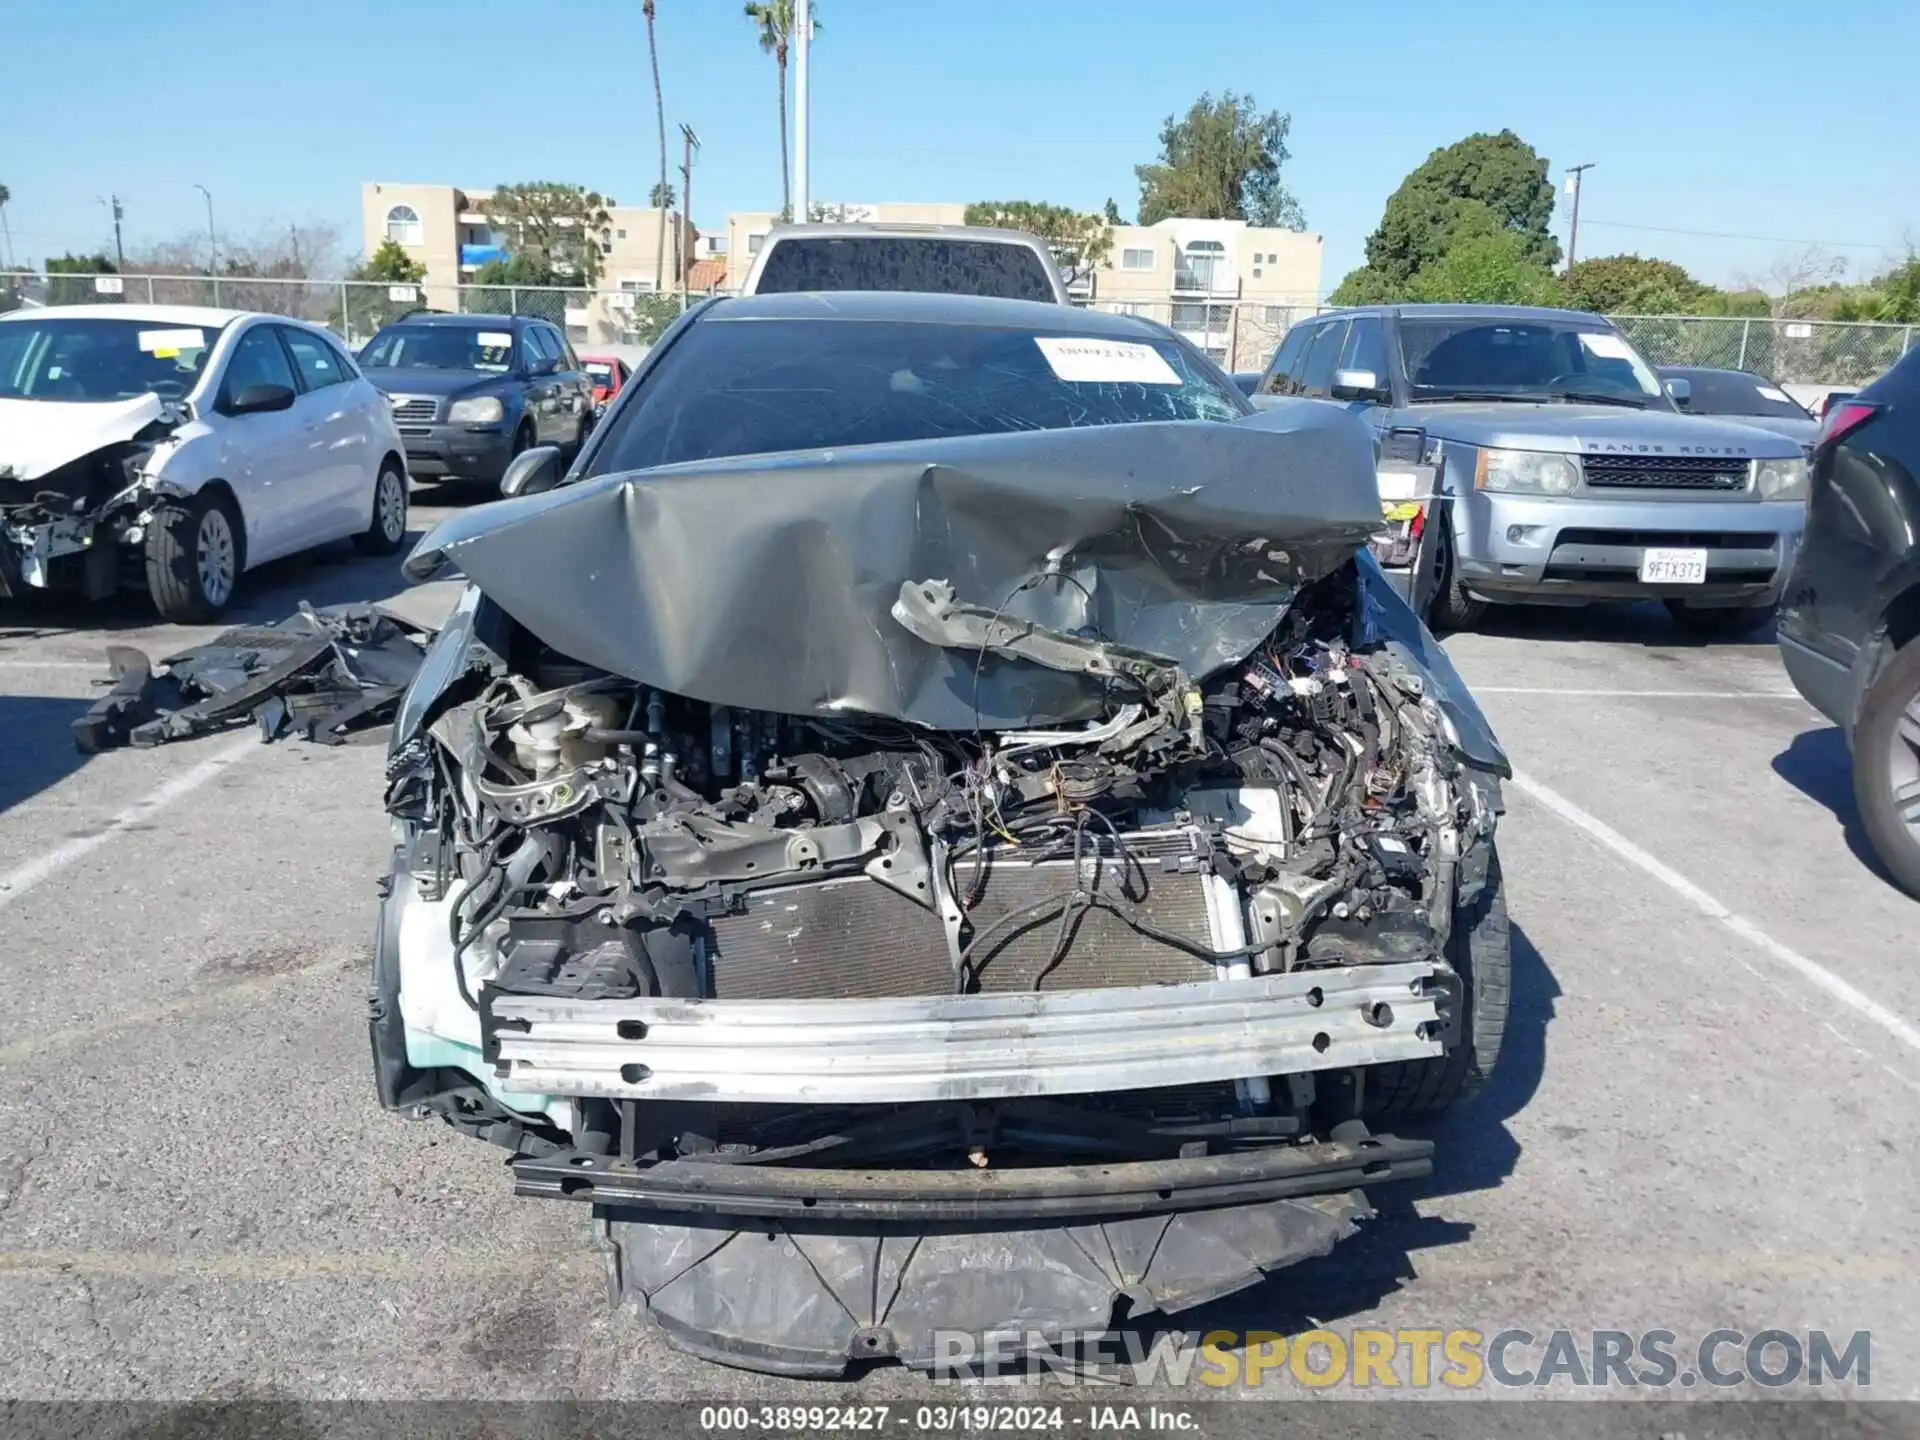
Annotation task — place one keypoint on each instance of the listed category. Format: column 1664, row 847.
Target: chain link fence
column 1240, row 334
column 1788, row 352
column 355, row 309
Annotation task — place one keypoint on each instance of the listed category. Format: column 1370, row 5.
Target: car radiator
column 853, row 938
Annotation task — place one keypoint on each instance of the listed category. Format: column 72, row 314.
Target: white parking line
column 20, row 880
column 1636, row 694
column 1811, row 970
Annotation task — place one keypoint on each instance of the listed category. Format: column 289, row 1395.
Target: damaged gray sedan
column 938, row 826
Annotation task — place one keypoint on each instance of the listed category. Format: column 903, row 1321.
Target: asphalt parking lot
column 1706, row 1114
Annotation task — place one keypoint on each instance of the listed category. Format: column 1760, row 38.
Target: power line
column 1730, row 235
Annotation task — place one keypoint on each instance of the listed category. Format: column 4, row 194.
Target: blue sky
column 1746, row 117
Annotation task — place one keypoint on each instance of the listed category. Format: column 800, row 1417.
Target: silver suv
column 1568, row 474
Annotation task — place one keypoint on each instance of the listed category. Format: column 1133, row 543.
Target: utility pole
column 692, row 148
column 119, row 253
column 802, row 37
column 213, row 245
column 1574, row 172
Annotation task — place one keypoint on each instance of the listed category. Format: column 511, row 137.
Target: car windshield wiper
column 1453, row 395
column 1594, row 397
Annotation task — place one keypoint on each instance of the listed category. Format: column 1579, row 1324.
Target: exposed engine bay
column 66, row 519
column 584, row 838
column 917, row 961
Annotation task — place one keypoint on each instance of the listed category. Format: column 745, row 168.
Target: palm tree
column 774, row 19
column 6, row 230
column 660, row 115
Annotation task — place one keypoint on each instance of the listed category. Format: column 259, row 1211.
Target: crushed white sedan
column 171, row 448
column 938, row 825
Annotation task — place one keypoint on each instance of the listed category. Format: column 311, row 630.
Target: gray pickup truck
column 1565, row 471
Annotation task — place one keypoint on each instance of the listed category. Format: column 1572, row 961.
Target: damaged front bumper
column 966, row 1047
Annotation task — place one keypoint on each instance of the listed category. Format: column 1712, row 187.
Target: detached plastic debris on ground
column 320, row 674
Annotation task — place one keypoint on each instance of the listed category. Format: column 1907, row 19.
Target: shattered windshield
column 439, row 347
column 91, row 360
column 758, row 386
column 1481, row 358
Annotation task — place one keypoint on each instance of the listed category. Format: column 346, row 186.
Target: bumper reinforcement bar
column 966, row 1047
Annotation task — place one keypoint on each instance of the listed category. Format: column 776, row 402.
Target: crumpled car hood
column 38, row 436
column 768, row 582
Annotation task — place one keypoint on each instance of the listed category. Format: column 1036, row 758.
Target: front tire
column 387, row 531
column 1719, row 621
column 195, row 553
column 1886, row 767
column 1480, row 949
column 1453, row 607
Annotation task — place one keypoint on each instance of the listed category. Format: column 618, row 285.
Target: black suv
column 1850, row 618
column 470, row 392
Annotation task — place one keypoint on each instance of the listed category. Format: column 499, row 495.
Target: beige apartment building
column 1229, row 287
column 449, row 232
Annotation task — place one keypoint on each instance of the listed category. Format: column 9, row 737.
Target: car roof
column 832, row 231
column 930, row 308
column 204, row 316
column 466, row 321
column 1474, row 312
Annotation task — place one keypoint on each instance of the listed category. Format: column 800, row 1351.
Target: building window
column 1128, row 307
column 754, row 242
column 403, row 225
column 1136, row 259
column 1278, row 315
column 619, row 234
column 1256, row 269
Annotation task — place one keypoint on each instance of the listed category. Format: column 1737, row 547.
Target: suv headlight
column 482, row 410
column 1780, row 479
column 1526, row 472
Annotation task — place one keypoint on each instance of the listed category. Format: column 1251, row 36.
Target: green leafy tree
column 6, row 230
column 773, row 26
column 62, row 291
column 1476, row 186
column 369, row 303
column 1221, row 161
column 1364, row 286
column 1632, row 285
column 560, row 227
column 1112, row 212
column 1080, row 243
column 1492, row 268
column 660, row 197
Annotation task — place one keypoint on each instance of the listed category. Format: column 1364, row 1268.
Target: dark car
column 470, row 392
column 964, row 806
column 1739, row 395
column 1849, row 624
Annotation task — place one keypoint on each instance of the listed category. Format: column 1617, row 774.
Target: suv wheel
column 1453, row 608
column 1886, row 766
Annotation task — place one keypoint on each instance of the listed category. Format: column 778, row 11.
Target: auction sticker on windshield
column 167, row 344
column 1604, row 346
column 1105, row 362
column 1673, row 567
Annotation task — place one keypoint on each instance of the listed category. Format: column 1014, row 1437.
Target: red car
column 607, row 374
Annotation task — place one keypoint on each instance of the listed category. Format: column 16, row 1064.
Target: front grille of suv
column 1608, row 471
column 415, row 408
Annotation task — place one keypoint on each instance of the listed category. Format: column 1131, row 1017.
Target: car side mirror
column 1358, row 385
column 545, row 365
column 532, row 471
column 259, row 399
column 1679, row 391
